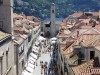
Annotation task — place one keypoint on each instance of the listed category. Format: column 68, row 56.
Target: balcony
column 21, row 54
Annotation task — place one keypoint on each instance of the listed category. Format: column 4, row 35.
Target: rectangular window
column 7, row 60
column 21, row 50
column 92, row 54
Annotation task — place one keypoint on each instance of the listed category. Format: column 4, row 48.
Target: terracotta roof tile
column 3, row 35
column 91, row 42
column 83, row 69
column 78, row 14
column 16, row 16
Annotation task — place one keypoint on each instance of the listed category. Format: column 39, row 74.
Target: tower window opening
column 92, row 54
column 47, row 25
column 52, row 11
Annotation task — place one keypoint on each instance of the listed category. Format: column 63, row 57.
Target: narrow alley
column 45, row 63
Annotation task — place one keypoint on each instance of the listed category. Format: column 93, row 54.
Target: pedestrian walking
column 42, row 67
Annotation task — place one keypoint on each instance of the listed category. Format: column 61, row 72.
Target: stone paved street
column 45, row 57
column 45, row 63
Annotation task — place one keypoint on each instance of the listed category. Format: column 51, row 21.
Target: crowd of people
column 44, row 64
column 43, row 67
column 48, row 68
column 53, row 65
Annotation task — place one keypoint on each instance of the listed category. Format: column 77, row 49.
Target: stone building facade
column 50, row 28
column 25, row 34
column 6, row 55
column 6, row 44
column 6, row 15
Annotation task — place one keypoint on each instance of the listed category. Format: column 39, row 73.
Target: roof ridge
column 89, row 42
column 96, row 30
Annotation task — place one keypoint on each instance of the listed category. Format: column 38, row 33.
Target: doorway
column 92, row 54
column 48, row 34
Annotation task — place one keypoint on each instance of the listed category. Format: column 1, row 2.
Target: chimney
column 77, row 34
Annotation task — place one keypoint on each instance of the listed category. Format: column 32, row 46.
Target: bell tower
column 53, row 26
column 6, row 15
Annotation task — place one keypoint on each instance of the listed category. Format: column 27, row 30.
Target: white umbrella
column 34, row 50
column 35, row 47
column 52, row 42
column 29, row 69
column 33, row 55
column 41, row 38
column 26, row 73
column 32, row 62
column 53, row 39
column 31, row 65
column 36, row 43
column 31, row 59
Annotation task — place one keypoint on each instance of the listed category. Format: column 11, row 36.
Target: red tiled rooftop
column 84, row 68
column 78, row 14
column 16, row 16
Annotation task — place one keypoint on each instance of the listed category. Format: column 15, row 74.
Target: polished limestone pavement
column 45, row 57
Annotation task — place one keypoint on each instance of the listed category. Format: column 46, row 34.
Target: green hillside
column 41, row 8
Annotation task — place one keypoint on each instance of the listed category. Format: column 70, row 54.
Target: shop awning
column 35, row 47
column 31, row 59
column 26, row 73
column 29, row 69
column 37, row 43
column 31, row 62
column 33, row 55
column 41, row 38
column 53, row 39
column 34, row 50
column 31, row 65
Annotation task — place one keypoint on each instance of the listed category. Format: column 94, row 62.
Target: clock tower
column 6, row 15
column 53, row 26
